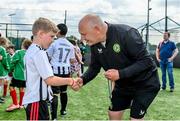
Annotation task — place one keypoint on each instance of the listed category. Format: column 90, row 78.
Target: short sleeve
column 42, row 64
column 173, row 46
column 159, row 45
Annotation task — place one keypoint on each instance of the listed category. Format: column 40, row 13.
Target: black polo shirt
column 125, row 51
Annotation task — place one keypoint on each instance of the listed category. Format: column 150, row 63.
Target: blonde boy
column 39, row 73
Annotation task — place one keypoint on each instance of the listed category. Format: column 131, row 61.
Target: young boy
column 61, row 54
column 10, row 52
column 11, row 49
column 18, row 80
column 39, row 73
column 4, row 66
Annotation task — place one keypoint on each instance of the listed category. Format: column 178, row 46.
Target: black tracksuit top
column 126, row 52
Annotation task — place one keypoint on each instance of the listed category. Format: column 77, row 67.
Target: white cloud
column 132, row 12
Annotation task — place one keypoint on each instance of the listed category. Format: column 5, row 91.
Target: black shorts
column 37, row 111
column 17, row 83
column 60, row 89
column 137, row 100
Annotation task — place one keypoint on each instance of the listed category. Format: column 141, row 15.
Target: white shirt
column 36, row 66
column 60, row 53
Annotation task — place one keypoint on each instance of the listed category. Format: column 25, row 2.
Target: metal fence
column 15, row 33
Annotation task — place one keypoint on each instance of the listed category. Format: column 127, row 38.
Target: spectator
column 165, row 53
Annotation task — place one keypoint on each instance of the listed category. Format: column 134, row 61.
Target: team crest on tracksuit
column 116, row 48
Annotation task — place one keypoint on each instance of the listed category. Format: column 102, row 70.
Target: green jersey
column 17, row 65
column 9, row 57
column 4, row 66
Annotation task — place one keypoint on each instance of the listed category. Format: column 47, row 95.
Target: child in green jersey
column 18, row 80
column 10, row 52
column 4, row 66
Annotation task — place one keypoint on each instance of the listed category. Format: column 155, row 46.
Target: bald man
column 121, row 52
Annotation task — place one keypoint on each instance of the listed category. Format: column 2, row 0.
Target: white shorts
column 3, row 77
column 9, row 78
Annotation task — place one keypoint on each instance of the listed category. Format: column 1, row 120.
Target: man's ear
column 97, row 29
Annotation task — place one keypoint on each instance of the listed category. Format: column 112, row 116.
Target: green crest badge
column 116, row 48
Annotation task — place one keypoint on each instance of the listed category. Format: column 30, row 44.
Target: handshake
column 76, row 84
column 110, row 74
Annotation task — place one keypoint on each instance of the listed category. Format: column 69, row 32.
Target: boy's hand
column 78, row 83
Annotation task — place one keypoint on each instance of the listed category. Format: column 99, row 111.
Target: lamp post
column 147, row 25
column 65, row 17
column 11, row 15
column 166, row 17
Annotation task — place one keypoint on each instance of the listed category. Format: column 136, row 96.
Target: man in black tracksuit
column 121, row 52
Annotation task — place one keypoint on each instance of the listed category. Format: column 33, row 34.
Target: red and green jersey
column 17, row 65
column 4, row 66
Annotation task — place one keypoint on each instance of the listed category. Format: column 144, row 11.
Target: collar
column 103, row 44
column 166, row 41
column 39, row 47
column 108, row 33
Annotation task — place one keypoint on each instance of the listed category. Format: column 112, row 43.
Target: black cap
column 63, row 28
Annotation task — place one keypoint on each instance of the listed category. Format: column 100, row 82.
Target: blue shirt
column 166, row 50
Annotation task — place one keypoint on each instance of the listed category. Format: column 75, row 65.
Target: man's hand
column 170, row 59
column 158, row 59
column 112, row 74
column 78, row 83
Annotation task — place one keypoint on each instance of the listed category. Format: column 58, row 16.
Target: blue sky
column 131, row 12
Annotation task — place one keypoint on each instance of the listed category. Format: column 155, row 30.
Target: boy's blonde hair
column 4, row 42
column 26, row 43
column 45, row 25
